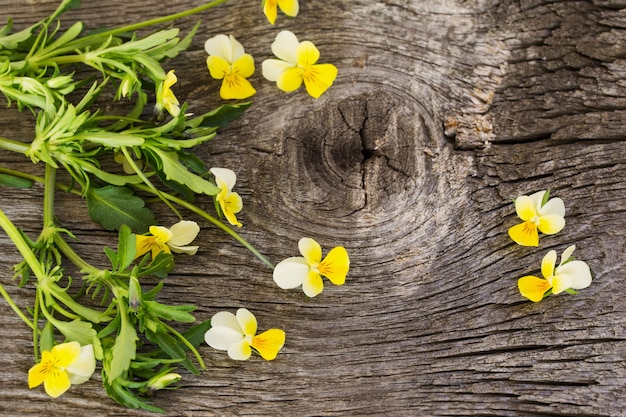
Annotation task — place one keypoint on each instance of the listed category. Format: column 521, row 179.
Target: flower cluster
column 540, row 213
column 296, row 63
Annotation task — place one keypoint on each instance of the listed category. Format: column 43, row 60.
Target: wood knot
column 362, row 156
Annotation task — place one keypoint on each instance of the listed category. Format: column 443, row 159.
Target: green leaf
column 170, row 346
column 113, row 206
column 174, row 170
column 12, row 41
column 15, row 182
column 160, row 266
column 177, row 313
column 125, row 347
column 545, row 198
column 220, row 116
column 127, row 398
column 46, row 337
column 126, row 248
column 195, row 335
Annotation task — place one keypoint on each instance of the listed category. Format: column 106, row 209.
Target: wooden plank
column 443, row 112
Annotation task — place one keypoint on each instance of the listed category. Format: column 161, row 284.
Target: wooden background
column 442, row 113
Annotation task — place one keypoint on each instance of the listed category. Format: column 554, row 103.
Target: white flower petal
column 247, row 321
column 578, row 272
column 537, row 198
column 236, row 48
column 567, row 253
column 285, row 46
column 272, row 69
column 221, row 46
column 226, row 319
column 82, row 368
column 225, row 175
column 240, row 351
column 553, row 206
column 222, row 338
column 291, row 272
column 183, row 233
column 187, row 250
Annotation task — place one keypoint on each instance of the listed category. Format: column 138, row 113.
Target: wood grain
column 443, row 112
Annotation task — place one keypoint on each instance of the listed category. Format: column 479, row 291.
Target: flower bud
column 134, row 294
column 161, row 381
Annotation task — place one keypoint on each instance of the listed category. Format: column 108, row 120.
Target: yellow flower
column 538, row 215
column 64, row 365
column 297, row 64
column 165, row 96
column 569, row 275
column 230, row 203
column 175, row 239
column 228, row 61
column 308, row 269
column 236, row 334
column 289, row 7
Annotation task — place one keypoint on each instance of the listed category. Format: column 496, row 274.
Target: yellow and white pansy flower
column 296, row 64
column 229, row 202
column 307, row 270
column 236, row 334
column 229, row 62
column 64, row 365
column 568, row 275
column 538, row 215
column 165, row 96
column 289, row 7
column 175, row 239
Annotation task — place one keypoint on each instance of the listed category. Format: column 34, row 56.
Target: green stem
column 15, row 308
column 48, row 196
column 13, row 145
column 213, row 220
column 146, row 181
column 160, row 20
column 72, row 256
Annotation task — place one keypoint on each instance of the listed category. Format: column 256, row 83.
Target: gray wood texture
column 442, row 113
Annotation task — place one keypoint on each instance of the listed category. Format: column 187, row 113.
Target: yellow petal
column 311, row 250
column 161, row 234
column 269, row 343
column 290, row 80
column 38, row 373
column 269, row 9
column 525, row 234
column 218, row 67
column 307, row 54
column 525, row 208
column 547, row 264
column 236, row 87
column 56, row 383
column 170, row 80
column 66, row 353
column 244, row 66
column 551, row 224
column 231, row 204
column 289, row 7
column 313, row 284
column 336, row 265
column 144, row 244
column 247, row 322
column 318, row 78
column 533, row 287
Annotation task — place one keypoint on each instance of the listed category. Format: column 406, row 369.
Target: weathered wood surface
column 443, row 112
